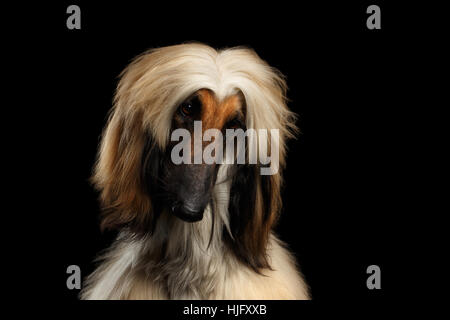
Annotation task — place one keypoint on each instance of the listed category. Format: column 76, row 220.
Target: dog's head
column 164, row 94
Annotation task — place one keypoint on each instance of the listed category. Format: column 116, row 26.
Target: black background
column 342, row 195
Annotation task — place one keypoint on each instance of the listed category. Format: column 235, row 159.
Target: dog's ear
column 255, row 202
column 118, row 172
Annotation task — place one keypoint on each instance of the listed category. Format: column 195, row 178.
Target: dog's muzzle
column 187, row 214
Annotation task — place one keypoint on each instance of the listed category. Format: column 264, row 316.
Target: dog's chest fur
column 191, row 261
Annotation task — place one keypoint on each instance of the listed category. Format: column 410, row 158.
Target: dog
column 201, row 230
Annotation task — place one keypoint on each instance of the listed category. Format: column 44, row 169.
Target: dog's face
column 187, row 187
column 160, row 92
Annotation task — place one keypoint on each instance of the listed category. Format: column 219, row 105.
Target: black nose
column 187, row 214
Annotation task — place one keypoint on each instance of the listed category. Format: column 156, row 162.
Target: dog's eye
column 235, row 124
column 190, row 108
column 187, row 109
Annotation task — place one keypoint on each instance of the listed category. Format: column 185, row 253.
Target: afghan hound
column 192, row 231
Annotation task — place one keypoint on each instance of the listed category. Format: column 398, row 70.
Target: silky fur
column 215, row 258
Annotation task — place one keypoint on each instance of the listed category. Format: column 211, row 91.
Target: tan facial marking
column 215, row 114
